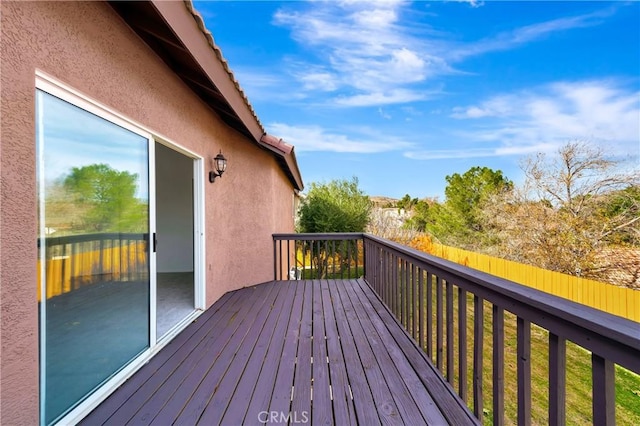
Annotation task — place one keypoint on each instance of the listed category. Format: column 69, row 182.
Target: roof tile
column 218, row 52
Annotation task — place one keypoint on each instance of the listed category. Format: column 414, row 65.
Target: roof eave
column 191, row 31
column 177, row 33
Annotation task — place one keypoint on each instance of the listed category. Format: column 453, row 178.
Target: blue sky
column 73, row 137
column 401, row 94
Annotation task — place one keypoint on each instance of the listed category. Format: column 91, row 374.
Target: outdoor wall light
column 220, row 163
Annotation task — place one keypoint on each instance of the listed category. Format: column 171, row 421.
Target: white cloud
column 322, row 81
column 368, row 49
column 412, row 111
column 376, row 53
column 544, row 147
column 398, row 96
column 500, row 151
column 472, row 3
column 529, row 33
column 262, row 84
column 590, row 109
column 470, row 112
column 316, row 138
column 375, row 18
column 383, row 114
column 407, row 64
column 543, row 118
column 443, row 154
column 495, row 107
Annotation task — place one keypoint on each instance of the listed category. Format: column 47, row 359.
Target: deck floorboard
column 318, row 352
column 343, row 409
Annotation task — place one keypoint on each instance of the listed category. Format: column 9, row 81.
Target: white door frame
column 56, row 88
column 199, row 274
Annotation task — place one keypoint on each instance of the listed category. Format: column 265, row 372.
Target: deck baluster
column 415, row 305
column 604, row 391
column 450, row 344
column 430, row 315
column 557, row 379
column 462, row 344
column 478, row 347
column 421, row 307
column 498, row 365
column 439, row 324
column 524, row 371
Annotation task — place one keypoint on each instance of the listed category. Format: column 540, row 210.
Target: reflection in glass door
column 94, row 252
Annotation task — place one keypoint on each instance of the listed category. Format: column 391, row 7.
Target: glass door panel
column 94, row 261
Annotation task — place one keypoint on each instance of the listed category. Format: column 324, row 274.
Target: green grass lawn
column 578, row 378
column 334, row 274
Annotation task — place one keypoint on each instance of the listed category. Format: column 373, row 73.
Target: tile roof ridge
column 277, row 143
column 200, row 22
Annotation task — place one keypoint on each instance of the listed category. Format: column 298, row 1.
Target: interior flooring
column 175, row 299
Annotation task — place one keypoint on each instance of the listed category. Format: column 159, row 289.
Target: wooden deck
column 319, row 352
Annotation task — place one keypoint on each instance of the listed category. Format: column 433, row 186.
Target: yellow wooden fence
column 621, row 301
column 120, row 262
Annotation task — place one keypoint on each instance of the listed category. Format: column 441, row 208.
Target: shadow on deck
column 320, row 352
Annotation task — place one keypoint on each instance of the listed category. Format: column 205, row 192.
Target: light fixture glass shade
column 220, row 163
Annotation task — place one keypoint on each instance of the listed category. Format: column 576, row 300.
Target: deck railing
column 442, row 306
column 315, row 256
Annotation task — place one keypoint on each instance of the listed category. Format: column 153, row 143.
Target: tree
column 459, row 220
column 337, row 206
column 406, row 202
column 569, row 211
column 104, row 199
column 420, row 214
column 621, row 208
column 465, row 194
column 576, row 176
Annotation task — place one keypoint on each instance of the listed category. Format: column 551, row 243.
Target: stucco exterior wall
column 89, row 48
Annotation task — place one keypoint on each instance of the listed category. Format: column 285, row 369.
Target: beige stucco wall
column 88, row 47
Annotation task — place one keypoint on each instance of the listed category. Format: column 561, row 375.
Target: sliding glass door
column 94, row 248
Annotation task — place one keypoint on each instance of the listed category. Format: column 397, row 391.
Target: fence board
column 621, row 301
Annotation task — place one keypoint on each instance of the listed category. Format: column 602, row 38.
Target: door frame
column 198, row 238
column 52, row 86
